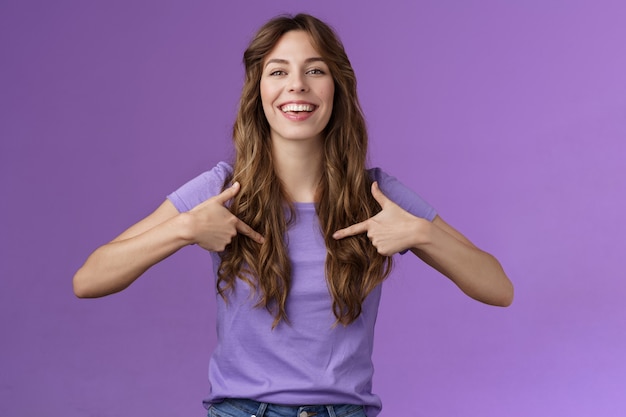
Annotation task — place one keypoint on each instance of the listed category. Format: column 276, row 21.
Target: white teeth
column 297, row 107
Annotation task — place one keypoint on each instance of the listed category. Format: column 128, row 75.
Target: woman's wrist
column 421, row 233
column 183, row 224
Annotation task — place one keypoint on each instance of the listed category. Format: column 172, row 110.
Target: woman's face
column 297, row 89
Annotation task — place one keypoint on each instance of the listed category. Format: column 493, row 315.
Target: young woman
column 301, row 235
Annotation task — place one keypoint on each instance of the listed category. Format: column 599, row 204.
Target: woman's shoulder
column 220, row 171
column 377, row 174
column 204, row 186
column 384, row 179
column 402, row 195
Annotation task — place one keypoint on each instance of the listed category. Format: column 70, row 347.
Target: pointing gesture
column 392, row 230
column 213, row 226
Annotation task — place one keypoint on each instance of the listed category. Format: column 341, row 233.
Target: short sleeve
column 402, row 195
column 201, row 188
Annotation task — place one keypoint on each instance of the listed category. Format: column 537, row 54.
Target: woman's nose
column 297, row 83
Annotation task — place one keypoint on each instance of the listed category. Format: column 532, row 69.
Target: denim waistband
column 249, row 408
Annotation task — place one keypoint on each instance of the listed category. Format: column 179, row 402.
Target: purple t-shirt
column 308, row 361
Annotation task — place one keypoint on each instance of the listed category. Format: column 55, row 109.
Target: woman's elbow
column 506, row 301
column 505, row 296
column 500, row 296
column 81, row 290
column 84, row 287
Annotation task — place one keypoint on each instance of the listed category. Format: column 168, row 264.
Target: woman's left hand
column 392, row 230
column 477, row 273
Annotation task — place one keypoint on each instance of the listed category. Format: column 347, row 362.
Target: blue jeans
column 249, row 408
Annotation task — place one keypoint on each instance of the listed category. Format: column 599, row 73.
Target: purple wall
column 509, row 117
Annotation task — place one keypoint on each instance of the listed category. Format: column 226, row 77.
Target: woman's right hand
column 212, row 226
column 114, row 266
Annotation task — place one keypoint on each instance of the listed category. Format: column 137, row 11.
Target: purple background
column 508, row 117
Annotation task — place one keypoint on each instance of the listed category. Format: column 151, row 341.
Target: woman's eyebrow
column 286, row 62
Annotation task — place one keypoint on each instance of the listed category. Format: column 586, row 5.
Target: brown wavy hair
column 353, row 265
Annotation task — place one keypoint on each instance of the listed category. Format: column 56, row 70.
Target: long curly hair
column 353, row 267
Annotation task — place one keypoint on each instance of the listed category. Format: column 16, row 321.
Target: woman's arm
column 117, row 264
column 477, row 273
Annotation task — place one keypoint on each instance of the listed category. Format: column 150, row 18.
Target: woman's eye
column 277, row 72
column 316, row 71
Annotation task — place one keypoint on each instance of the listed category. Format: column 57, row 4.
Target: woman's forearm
column 477, row 273
column 115, row 265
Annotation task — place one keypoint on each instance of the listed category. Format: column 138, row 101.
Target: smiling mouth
column 297, row 108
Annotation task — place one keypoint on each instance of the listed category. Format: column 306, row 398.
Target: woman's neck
column 298, row 164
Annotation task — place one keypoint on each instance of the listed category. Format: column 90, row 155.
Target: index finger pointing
column 244, row 229
column 355, row 229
